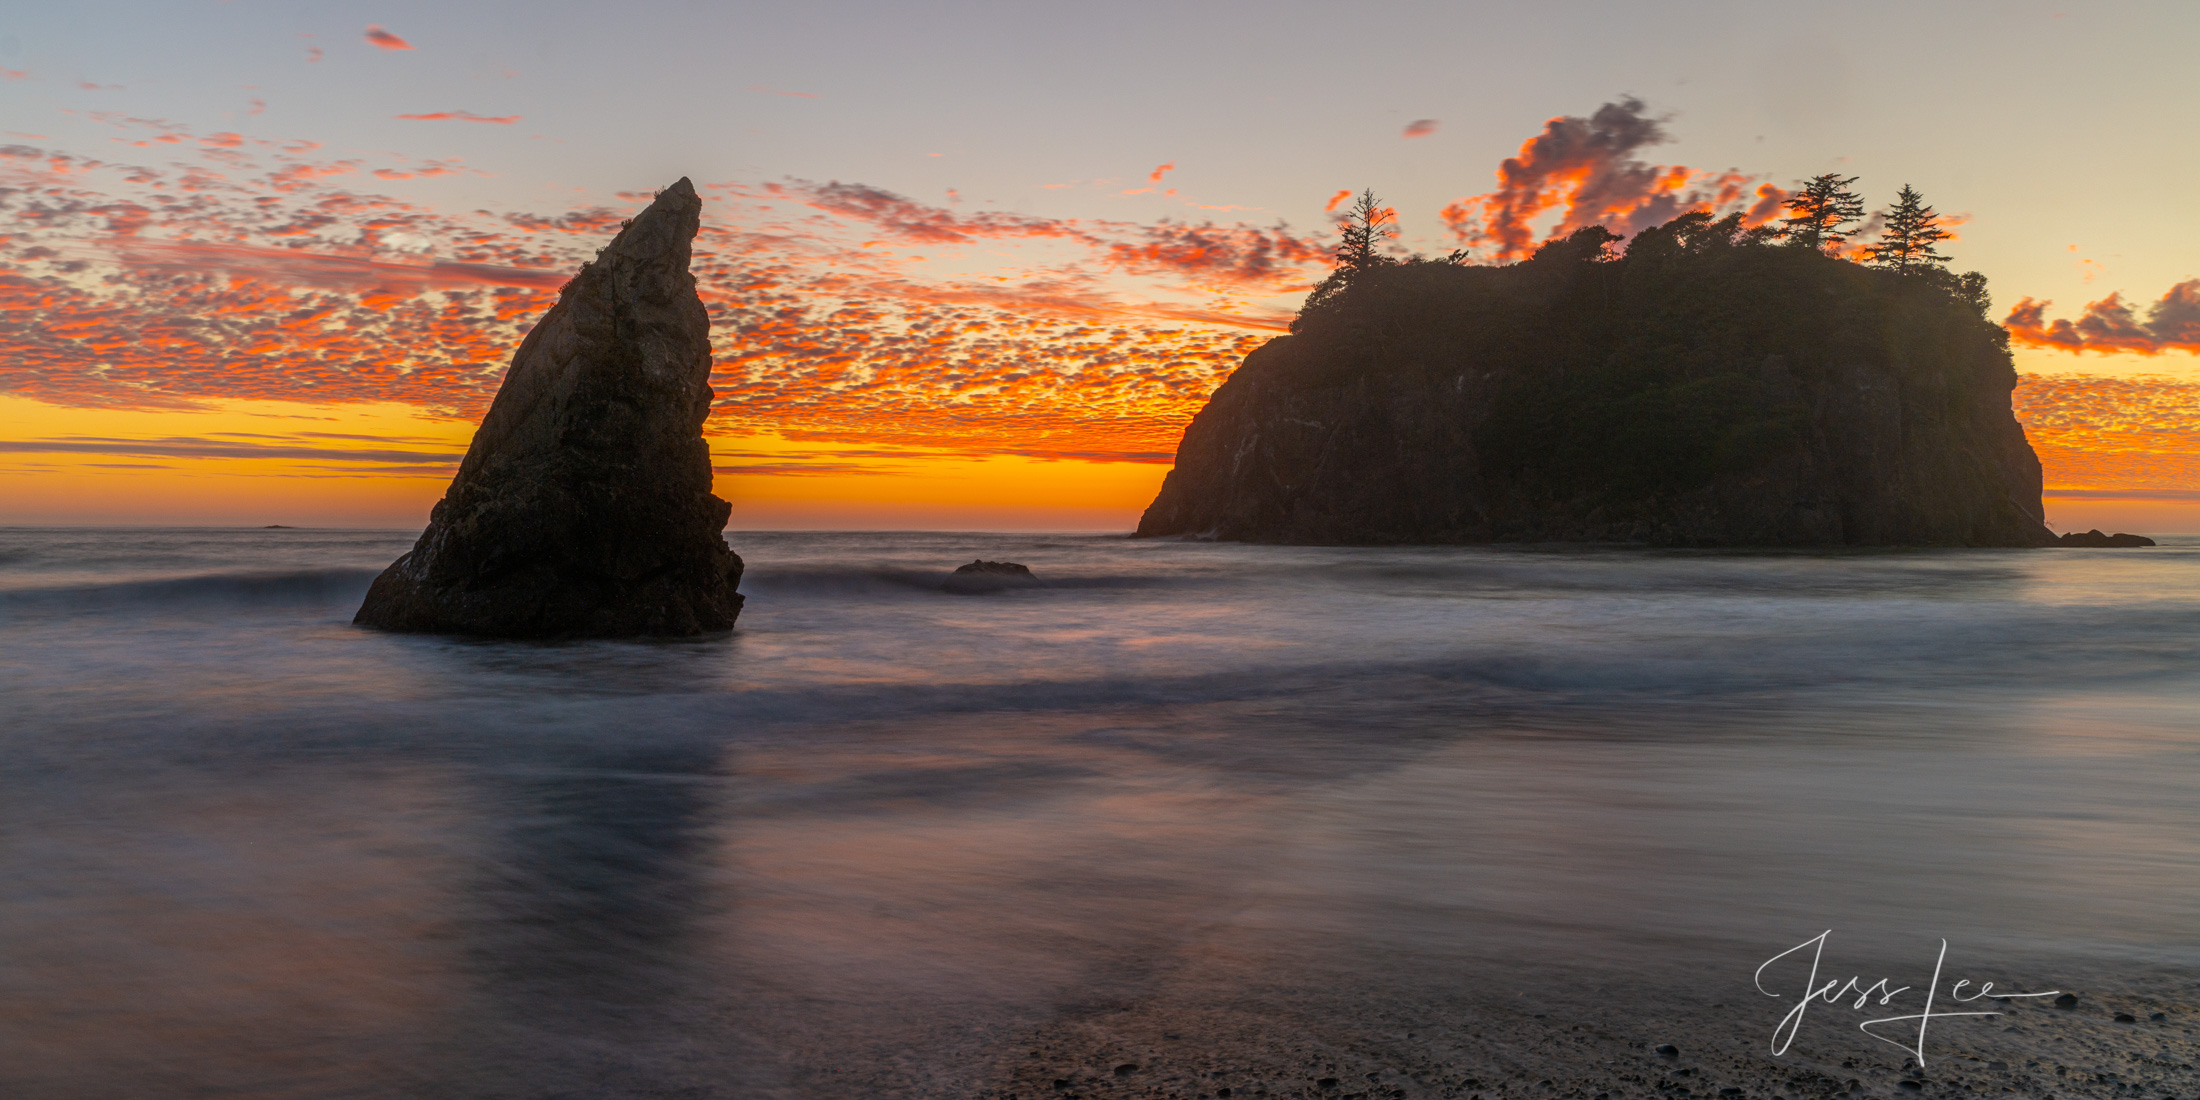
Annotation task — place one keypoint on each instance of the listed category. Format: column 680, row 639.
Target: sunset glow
column 172, row 281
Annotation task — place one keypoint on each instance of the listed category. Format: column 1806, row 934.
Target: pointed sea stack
column 584, row 506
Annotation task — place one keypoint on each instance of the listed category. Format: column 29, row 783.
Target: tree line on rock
column 1825, row 216
column 1621, row 373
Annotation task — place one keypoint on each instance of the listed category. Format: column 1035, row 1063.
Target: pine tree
column 1912, row 229
column 1366, row 226
column 1822, row 208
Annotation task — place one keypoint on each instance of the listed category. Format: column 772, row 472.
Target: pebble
column 2067, row 1000
column 1668, row 1050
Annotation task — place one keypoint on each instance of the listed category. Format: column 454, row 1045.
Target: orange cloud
column 842, row 314
column 1586, row 172
column 1420, row 127
column 1335, row 201
column 461, row 116
column 2116, row 437
column 385, row 39
column 1156, row 174
column 1217, row 255
column 2110, row 325
column 131, row 287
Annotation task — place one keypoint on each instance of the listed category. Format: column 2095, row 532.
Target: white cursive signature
column 1833, row 991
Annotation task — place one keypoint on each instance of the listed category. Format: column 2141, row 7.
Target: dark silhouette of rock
column 584, row 506
column 1704, row 390
column 991, row 576
column 2095, row 538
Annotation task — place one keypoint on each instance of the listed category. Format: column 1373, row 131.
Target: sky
column 976, row 265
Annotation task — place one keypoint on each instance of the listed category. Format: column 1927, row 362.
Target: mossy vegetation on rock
column 1705, row 388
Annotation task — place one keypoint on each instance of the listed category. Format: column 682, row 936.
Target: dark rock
column 1126, row 1069
column 2157, row 1017
column 1912, row 1086
column 278, row 527
column 2096, row 540
column 1668, row 1050
column 1327, row 1082
column 2126, row 1018
column 584, row 506
column 1223, row 1092
column 1704, row 396
column 2067, row 1000
column 1730, row 1090
column 991, row 576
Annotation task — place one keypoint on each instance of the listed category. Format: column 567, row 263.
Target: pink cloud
column 1164, row 170
column 1420, row 127
column 462, row 116
column 1585, row 171
column 385, row 39
column 2112, row 325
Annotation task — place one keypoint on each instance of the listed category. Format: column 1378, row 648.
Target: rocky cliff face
column 1704, row 390
column 584, row 506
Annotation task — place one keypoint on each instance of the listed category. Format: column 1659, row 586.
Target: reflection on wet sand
column 288, row 936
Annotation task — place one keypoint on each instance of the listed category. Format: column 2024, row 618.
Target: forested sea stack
column 584, row 506
column 1707, row 388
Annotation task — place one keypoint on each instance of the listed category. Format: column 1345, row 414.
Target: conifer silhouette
column 1823, row 208
column 1366, row 226
column 1912, row 230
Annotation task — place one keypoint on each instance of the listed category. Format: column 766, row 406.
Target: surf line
column 1835, row 990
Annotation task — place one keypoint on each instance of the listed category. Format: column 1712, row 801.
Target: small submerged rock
column 991, row 576
column 2095, row 539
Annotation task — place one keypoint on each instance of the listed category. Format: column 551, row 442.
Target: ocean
column 1193, row 819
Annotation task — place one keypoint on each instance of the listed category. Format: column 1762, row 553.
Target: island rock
column 583, row 507
column 2095, row 539
column 1704, row 389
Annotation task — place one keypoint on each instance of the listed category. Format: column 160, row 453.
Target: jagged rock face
column 1751, row 399
column 584, row 506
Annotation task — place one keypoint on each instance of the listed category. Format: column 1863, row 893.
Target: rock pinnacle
column 584, row 506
